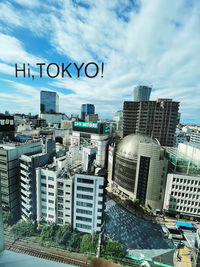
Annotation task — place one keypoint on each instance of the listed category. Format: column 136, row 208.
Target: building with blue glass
column 142, row 93
column 87, row 109
column 49, row 102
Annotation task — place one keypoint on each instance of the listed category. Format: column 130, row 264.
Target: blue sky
column 152, row 42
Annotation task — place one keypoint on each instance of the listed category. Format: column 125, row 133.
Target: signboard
column 91, row 127
column 6, row 123
column 86, row 124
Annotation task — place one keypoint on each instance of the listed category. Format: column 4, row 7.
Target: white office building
column 182, row 194
column 55, row 192
column 88, row 203
column 86, row 134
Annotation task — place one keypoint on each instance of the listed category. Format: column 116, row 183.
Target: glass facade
column 49, row 102
column 180, row 163
column 142, row 93
column 87, row 109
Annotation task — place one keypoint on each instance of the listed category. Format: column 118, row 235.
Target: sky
column 150, row 42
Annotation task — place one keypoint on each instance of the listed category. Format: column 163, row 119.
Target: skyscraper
column 87, row 109
column 154, row 118
column 142, row 93
column 49, row 102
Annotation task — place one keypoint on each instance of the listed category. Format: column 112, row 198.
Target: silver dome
column 128, row 146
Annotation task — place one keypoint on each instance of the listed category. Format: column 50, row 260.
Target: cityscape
column 126, row 189
column 99, row 133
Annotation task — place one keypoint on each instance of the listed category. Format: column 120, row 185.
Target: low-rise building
column 182, row 194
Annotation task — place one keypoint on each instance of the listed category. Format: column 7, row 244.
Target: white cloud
column 158, row 45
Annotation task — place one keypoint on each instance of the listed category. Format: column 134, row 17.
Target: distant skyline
column 150, row 42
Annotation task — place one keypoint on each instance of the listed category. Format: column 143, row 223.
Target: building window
column 83, row 226
column 79, row 218
column 51, row 201
column 84, row 196
column 89, row 212
column 85, row 189
column 50, row 186
column 50, row 178
column 85, row 181
column 83, row 204
column 51, row 194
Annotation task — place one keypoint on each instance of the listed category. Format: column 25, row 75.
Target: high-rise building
column 55, row 192
column 157, row 119
column 49, row 102
column 87, row 109
column 137, row 169
column 142, row 93
column 88, row 203
column 9, row 173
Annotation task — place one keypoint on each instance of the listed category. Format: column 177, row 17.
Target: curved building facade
column 139, row 170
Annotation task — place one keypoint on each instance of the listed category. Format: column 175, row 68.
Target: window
column 44, row 185
column 83, row 204
column 51, row 194
column 50, row 178
column 85, row 189
column 44, row 207
column 83, row 219
column 89, row 212
column 84, row 196
column 83, row 226
column 51, row 201
column 44, row 199
column 51, row 208
column 85, row 181
column 51, row 216
column 50, row 186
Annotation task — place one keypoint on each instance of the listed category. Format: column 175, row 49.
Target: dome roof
column 128, row 146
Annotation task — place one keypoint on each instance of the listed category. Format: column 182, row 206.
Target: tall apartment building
column 55, row 192
column 49, row 102
column 142, row 93
column 157, row 119
column 88, row 203
column 87, row 109
column 28, row 165
column 10, row 174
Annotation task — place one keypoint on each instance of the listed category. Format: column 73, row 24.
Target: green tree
column 8, row 218
column 89, row 243
column 136, row 203
column 22, row 229
column 74, row 242
column 114, row 249
column 49, row 232
column 63, row 234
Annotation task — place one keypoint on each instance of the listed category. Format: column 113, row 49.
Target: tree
column 63, row 234
column 114, row 249
column 48, row 232
column 8, row 218
column 89, row 243
column 74, row 242
column 22, row 229
column 136, row 203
